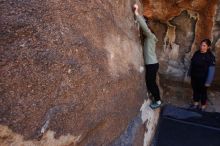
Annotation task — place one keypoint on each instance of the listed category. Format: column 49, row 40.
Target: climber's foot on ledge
column 156, row 104
column 203, row 108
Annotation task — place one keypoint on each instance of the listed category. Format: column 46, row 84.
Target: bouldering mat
column 184, row 127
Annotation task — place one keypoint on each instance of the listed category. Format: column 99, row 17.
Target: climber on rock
column 202, row 70
column 150, row 58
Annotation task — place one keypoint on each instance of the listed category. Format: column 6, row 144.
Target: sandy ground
column 180, row 94
column 183, row 98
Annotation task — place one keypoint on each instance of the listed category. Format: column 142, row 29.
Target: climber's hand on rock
column 136, row 9
column 136, row 6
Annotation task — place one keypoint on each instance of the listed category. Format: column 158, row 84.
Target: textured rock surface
column 71, row 73
column 180, row 26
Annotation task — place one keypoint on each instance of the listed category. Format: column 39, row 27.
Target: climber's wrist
column 136, row 9
column 136, row 13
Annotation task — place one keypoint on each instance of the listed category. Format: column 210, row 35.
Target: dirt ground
column 181, row 95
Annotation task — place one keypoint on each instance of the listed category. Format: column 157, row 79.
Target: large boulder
column 71, row 74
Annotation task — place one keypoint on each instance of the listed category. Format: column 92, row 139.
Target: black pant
column 151, row 75
column 199, row 90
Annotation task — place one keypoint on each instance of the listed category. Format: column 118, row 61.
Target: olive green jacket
column 150, row 41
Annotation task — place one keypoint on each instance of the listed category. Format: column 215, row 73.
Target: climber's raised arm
column 142, row 23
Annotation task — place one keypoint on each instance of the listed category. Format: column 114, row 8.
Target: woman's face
column 204, row 47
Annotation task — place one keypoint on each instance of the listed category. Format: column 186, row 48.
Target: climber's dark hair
column 147, row 21
column 207, row 41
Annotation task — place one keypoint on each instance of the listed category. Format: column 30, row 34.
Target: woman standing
column 202, row 70
column 150, row 58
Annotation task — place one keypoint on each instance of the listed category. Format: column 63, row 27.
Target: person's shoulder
column 196, row 53
column 211, row 57
column 211, row 54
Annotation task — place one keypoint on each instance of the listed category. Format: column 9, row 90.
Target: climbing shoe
column 203, row 108
column 156, row 104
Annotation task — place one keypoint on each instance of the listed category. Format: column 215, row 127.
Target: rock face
column 71, row 73
column 180, row 26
